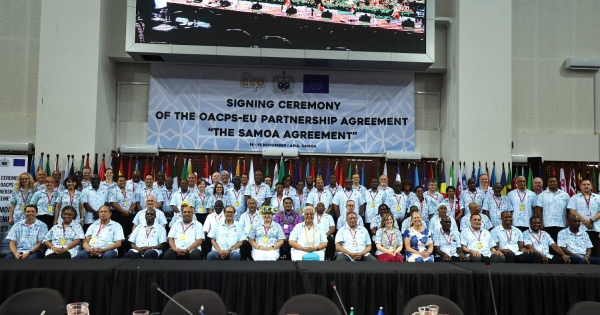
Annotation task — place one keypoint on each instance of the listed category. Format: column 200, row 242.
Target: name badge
column 236, row 204
column 265, row 240
column 202, row 210
column 23, row 208
column 50, row 209
column 182, row 237
column 125, row 203
column 93, row 240
column 398, row 208
column 372, row 205
column 522, row 207
column 479, row 245
column 63, row 241
column 285, row 226
column 249, row 227
column 300, row 210
column 355, row 244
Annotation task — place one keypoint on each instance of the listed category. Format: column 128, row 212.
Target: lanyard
column 353, row 235
column 186, row 228
column 49, row 197
column 391, row 238
column 434, row 196
column 150, row 231
column 498, row 204
column 100, row 229
column 478, row 237
column 538, row 239
column 256, row 191
column 449, row 241
column 524, row 196
column 509, row 238
column 24, row 198
column 71, row 197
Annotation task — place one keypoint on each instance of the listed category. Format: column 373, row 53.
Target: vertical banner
column 10, row 168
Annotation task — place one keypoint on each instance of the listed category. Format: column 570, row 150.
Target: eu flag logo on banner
column 316, row 83
column 19, row 162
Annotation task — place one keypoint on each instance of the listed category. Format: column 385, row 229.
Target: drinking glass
column 425, row 310
column 141, row 312
column 78, row 308
column 434, row 309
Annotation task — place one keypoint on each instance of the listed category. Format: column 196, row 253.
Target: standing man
column 225, row 180
column 93, row 199
column 585, row 205
column 244, row 180
column 40, row 177
column 26, row 236
column 258, row 191
column 149, row 240
column 576, row 243
column 509, row 241
column 494, row 205
column 552, row 208
column 248, row 220
column 538, row 186
column 353, row 242
column 540, row 242
column 87, row 175
column 236, row 196
column 185, row 237
column 216, row 178
column 123, row 205
column 523, row 202
column 356, row 184
column 180, row 196
column 309, row 185
column 478, row 242
column 383, row 185
column 333, row 187
column 320, row 195
column 226, row 238
column 398, row 202
column 373, row 198
column 471, row 195
column 484, row 186
column 191, row 179
column 103, row 237
column 343, row 195
column 146, row 191
column 135, row 182
column 433, row 197
column 167, row 192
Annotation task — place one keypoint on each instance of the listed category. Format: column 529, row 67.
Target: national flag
column 451, row 179
column 175, row 173
column 478, row 175
column 513, row 180
column 267, row 173
column 464, row 176
column 87, row 160
column 315, row 83
column 473, row 173
column 206, row 168
column 230, row 168
column 32, row 167
column 553, row 171
column 121, row 170
column 95, row 170
column 56, row 168
column 522, row 171
column 398, row 177
column 443, row 181
column 572, row 182
column 384, row 169
column 220, row 166
column 237, row 168
column 129, row 169
column 350, row 169
column 437, row 180
column 530, row 179
column 509, row 185
column 579, row 178
column 162, row 165
column 251, row 173
column 487, row 171
column 503, row 181
column 190, row 170
column 493, row 175
column 72, row 169
column 281, row 171
column 244, row 167
column 66, row 172
column 307, row 171
column 594, row 180
column 328, row 174
column 153, row 170
column 312, row 170
column 137, row 164
column 111, row 161
column 146, row 170
column 48, row 165
column 40, row 164
column 409, row 174
column 275, row 178
column 298, row 172
column 102, row 169
column 362, row 175
column 184, row 169
column 563, row 180
column 356, row 168
column 341, row 175
column 82, row 163
column 424, row 180
column 430, row 171
column 416, row 178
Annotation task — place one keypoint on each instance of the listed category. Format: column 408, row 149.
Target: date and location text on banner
column 248, row 109
column 11, row 166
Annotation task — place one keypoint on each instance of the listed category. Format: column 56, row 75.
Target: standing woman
column 20, row 197
column 202, row 201
column 418, row 242
column 109, row 182
column 277, row 199
column 218, row 194
column 388, row 240
column 46, row 201
column 69, row 197
column 62, row 241
column 288, row 190
column 422, row 204
column 453, row 204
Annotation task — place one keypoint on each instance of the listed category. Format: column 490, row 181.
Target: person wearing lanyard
column 436, row 221
column 247, row 221
column 422, row 204
column 539, row 242
column 350, row 207
column 585, row 205
column 356, row 184
column 25, row 237
column 446, row 243
column 471, row 195
column 218, row 194
column 86, row 182
column 509, row 241
column 478, row 243
column 522, row 203
column 576, row 243
column 201, row 200
column 69, row 197
column 226, row 238
column 149, row 240
column 343, row 195
column 388, row 240
column 185, row 237
column 142, row 194
column 102, row 238
column 183, row 195
column 277, row 199
column 352, row 242
column 62, row 241
column 309, row 185
column 326, row 224
column 216, row 178
column 167, row 191
column 551, row 206
column 20, row 197
column 191, row 179
column 93, row 198
column 308, row 242
column 373, row 198
column 213, row 219
column 287, row 219
column 484, row 186
column 259, row 191
column 109, row 183
column 397, row 202
column 474, row 208
column 495, row 204
column 453, row 203
column 320, row 195
column 236, row 197
column 160, row 218
column 46, row 200
column 58, row 187
column 123, row 203
column 300, row 198
column 244, row 180
column 225, row 176
column 333, row 187
column 383, row 185
column 433, row 197
column 40, row 177
column 135, row 182
column 266, row 238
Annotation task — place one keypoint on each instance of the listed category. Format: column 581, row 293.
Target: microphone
column 487, row 262
column 155, row 286
column 332, row 284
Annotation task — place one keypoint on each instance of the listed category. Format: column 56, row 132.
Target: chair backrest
column 584, row 307
column 446, row 305
column 193, row 300
column 34, row 301
column 309, row 304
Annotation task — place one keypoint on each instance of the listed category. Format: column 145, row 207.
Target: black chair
column 193, row 300
column 584, row 307
column 35, row 301
column 446, row 305
column 309, row 304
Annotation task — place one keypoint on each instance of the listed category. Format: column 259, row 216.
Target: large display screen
column 396, row 26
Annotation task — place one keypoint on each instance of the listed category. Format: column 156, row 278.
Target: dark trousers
column 557, row 260
column 524, row 258
column 35, row 255
column 553, row 232
column 206, row 246
column 246, row 251
column 65, row 255
column 493, row 259
column 194, row 255
column 86, row 227
column 47, row 219
column 151, row 254
column 452, row 259
column 201, row 217
column 594, row 238
column 127, row 224
column 330, row 249
column 285, row 252
column 581, row 260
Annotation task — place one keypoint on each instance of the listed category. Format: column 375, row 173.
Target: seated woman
column 388, row 240
column 266, row 239
column 62, row 241
column 308, row 242
column 418, row 242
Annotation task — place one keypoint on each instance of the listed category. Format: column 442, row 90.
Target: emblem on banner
column 283, row 83
column 249, row 81
column 4, row 162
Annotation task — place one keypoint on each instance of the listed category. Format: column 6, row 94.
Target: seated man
column 576, row 244
column 352, row 241
column 149, row 240
column 26, row 236
column 474, row 208
column 226, row 238
column 287, row 219
column 478, row 242
column 539, row 242
column 509, row 241
column 350, row 207
column 308, row 242
column 185, row 237
column 446, row 242
column 102, row 238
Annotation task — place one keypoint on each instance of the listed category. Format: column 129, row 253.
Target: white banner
column 248, row 109
column 10, row 168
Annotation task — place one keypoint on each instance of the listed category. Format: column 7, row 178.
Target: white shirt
column 212, row 219
column 508, row 239
column 354, row 241
column 186, row 235
column 315, row 197
column 144, row 236
column 324, row 222
column 304, row 236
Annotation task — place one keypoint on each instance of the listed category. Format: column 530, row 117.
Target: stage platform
column 257, row 288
